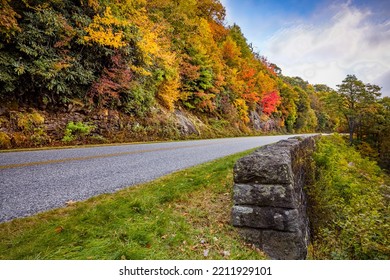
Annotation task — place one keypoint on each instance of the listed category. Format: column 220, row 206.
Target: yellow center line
column 16, row 165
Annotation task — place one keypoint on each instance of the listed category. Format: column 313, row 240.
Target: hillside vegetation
column 349, row 207
column 138, row 63
column 97, row 71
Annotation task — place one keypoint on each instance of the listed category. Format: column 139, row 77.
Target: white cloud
column 349, row 42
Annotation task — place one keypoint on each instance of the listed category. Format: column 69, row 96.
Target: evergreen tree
column 355, row 99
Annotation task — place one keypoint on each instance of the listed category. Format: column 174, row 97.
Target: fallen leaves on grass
column 59, row 229
column 70, row 203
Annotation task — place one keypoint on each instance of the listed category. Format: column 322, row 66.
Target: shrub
column 19, row 139
column 74, row 131
column 5, row 140
column 348, row 213
column 138, row 101
column 31, row 129
column 39, row 137
column 27, row 122
column 98, row 139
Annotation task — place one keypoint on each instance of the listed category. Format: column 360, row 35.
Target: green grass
column 180, row 216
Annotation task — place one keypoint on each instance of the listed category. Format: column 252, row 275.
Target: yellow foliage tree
column 168, row 92
column 106, row 30
column 231, row 52
column 267, row 84
column 242, row 109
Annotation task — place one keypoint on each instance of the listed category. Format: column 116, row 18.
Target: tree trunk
column 351, row 126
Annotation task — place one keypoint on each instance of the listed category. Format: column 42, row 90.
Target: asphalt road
column 35, row 181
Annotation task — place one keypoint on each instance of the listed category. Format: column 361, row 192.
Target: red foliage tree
column 113, row 81
column 270, row 101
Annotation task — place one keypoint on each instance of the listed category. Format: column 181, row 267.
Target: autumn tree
column 139, row 55
column 288, row 106
column 270, row 102
column 237, row 35
column 106, row 30
column 250, row 90
column 329, row 118
column 8, row 20
column 212, row 10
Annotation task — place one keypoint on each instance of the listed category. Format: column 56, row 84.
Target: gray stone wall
column 269, row 200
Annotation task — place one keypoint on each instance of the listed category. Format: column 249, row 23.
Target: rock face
column 255, row 120
column 269, row 201
column 186, row 126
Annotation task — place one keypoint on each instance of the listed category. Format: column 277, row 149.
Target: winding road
column 35, row 181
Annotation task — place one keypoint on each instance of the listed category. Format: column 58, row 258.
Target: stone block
column 284, row 245
column 252, row 235
column 266, row 218
column 266, row 195
column 267, row 166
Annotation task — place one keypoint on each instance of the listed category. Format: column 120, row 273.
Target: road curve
column 35, row 181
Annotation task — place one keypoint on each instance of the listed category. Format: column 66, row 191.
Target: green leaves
column 349, row 215
column 356, row 100
column 76, row 131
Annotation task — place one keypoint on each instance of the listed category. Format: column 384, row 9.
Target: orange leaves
column 256, row 87
column 67, row 34
column 251, row 97
column 248, row 73
column 205, row 101
column 8, row 20
column 249, row 80
column 250, row 90
column 188, row 71
column 218, row 30
column 212, row 10
column 231, row 52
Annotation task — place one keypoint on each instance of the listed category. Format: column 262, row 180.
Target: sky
column 320, row 41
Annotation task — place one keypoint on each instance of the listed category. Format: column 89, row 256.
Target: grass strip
column 185, row 215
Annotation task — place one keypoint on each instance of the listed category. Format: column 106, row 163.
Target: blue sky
column 319, row 41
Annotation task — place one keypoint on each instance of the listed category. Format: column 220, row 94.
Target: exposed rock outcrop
column 186, row 126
